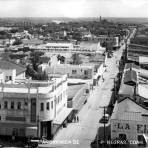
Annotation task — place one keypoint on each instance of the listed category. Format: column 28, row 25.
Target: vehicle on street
column 104, row 119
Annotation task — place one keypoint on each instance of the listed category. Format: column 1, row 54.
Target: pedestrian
column 91, row 87
column 74, row 118
column 77, row 119
column 102, row 78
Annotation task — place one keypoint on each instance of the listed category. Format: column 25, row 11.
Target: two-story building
column 110, row 40
column 73, row 71
column 12, row 70
column 33, row 108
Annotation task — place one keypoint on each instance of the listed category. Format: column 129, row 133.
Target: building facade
column 29, row 108
column 129, row 121
column 73, row 71
column 111, row 40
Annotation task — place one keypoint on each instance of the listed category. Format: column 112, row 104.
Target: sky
column 73, row 8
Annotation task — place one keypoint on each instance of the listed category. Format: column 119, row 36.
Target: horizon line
column 71, row 17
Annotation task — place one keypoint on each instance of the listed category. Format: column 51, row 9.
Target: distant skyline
column 73, row 8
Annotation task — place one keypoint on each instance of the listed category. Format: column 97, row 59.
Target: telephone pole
column 104, row 130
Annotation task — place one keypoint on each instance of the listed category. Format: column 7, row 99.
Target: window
column 26, row 103
column 61, row 97
column 19, row 105
column 22, row 132
column 74, row 71
column 5, row 105
column 15, row 132
column 52, row 105
column 122, row 136
column 47, row 106
column 85, row 72
column 42, row 107
column 141, row 140
column 12, row 105
column 10, row 77
column 58, row 99
column 7, row 77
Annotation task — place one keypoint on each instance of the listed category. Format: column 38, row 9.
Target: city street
column 82, row 133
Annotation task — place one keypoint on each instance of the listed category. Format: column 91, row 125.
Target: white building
column 33, row 108
column 114, row 41
column 73, row 71
column 129, row 121
column 12, row 71
column 92, row 47
column 56, row 46
column 62, row 47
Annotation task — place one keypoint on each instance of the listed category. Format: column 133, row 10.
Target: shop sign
column 140, row 128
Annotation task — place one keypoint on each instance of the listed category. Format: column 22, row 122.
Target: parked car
column 104, row 119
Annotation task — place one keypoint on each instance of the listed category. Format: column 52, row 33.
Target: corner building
column 30, row 108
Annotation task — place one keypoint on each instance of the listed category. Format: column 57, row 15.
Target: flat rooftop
column 73, row 89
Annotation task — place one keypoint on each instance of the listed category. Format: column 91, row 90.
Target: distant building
column 73, row 71
column 100, row 19
column 135, row 51
column 92, row 47
column 59, row 46
column 32, row 42
column 12, row 70
column 110, row 40
column 67, row 47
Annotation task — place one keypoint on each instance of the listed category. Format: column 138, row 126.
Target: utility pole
column 114, row 90
column 38, row 126
column 104, row 129
column 97, row 138
column 37, row 111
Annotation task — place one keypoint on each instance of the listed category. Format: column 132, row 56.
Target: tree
column 30, row 71
column 35, row 59
column 76, row 59
column 35, row 75
column 61, row 59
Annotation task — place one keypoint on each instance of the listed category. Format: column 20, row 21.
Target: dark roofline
column 130, row 76
column 15, row 64
column 134, row 102
column 21, row 72
column 131, row 65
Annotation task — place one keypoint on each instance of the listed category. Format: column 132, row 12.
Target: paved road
column 81, row 134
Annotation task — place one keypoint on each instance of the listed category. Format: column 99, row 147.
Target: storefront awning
column 62, row 116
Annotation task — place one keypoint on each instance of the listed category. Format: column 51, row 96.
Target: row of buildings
column 130, row 115
column 38, row 108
